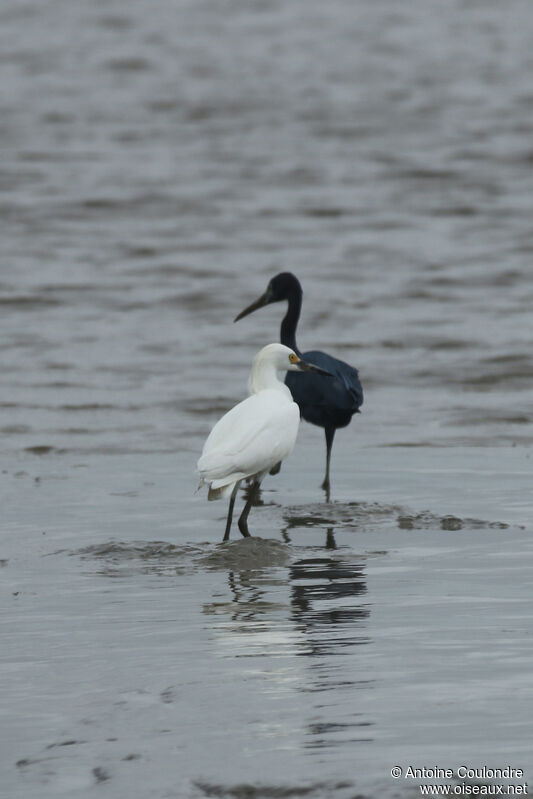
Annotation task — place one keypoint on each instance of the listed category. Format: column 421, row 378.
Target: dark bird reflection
column 329, row 609
column 326, row 602
column 330, row 539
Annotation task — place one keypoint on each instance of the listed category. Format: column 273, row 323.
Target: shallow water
column 349, row 637
column 160, row 165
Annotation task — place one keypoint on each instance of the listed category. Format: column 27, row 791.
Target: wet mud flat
column 144, row 657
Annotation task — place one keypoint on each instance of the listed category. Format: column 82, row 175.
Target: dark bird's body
column 330, row 405
column 328, row 402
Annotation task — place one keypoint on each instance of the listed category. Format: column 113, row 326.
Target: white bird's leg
column 230, row 510
column 330, row 434
column 243, row 518
column 275, row 469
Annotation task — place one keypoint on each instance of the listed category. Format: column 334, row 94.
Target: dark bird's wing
column 326, row 401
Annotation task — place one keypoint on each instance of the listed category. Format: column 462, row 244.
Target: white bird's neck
column 264, row 375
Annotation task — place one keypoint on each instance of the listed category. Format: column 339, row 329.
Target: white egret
column 257, row 434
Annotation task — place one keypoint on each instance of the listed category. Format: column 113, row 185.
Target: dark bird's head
column 281, row 287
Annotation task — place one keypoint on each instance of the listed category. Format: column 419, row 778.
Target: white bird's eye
column 293, row 358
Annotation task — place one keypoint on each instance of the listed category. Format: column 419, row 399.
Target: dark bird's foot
column 326, row 487
column 243, row 527
column 275, row 469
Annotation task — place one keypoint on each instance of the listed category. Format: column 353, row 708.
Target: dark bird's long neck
column 290, row 320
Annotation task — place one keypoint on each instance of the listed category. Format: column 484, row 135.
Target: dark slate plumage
column 327, row 402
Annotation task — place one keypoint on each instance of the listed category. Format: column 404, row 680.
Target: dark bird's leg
column 330, row 434
column 275, row 469
column 243, row 518
column 230, row 510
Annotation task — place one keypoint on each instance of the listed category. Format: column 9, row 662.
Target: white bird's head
column 283, row 359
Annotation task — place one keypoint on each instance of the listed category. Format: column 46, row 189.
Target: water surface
column 160, row 164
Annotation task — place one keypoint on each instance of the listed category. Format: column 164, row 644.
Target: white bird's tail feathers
column 219, row 493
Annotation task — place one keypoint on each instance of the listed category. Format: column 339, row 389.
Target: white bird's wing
column 251, row 438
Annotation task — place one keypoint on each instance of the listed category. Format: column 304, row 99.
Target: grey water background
column 160, row 162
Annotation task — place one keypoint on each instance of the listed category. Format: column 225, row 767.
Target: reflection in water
column 307, row 632
column 248, row 597
column 326, row 606
column 249, row 610
column 325, row 597
column 330, row 539
column 327, row 609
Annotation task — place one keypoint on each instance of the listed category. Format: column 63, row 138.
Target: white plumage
column 255, row 435
column 250, row 439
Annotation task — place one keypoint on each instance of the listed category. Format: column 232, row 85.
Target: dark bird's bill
column 264, row 299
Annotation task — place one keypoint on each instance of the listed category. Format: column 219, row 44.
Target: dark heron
column 326, row 402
